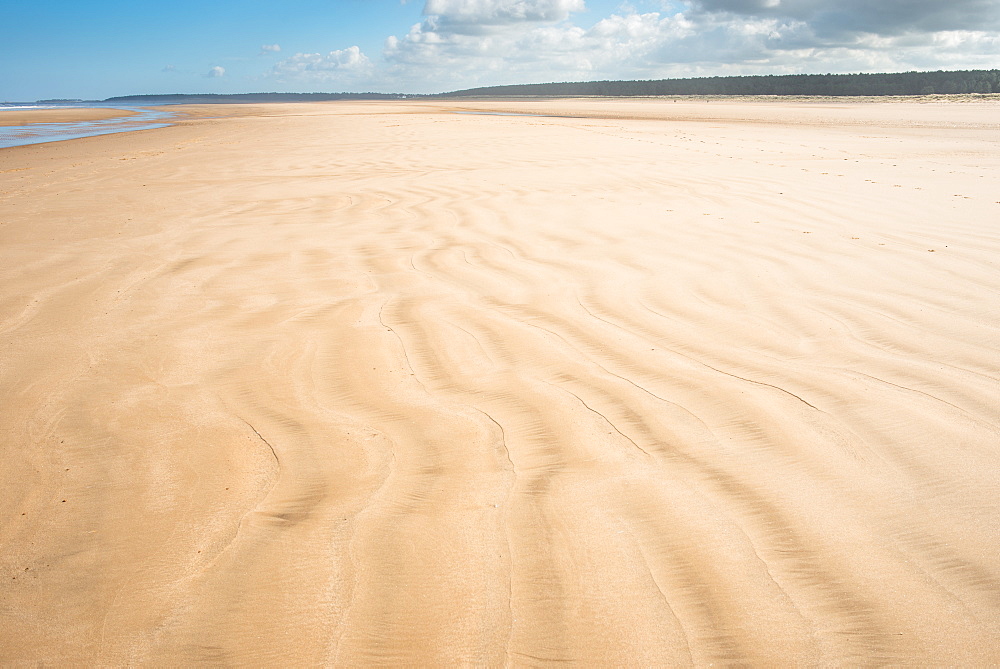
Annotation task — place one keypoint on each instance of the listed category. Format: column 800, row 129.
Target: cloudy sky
column 92, row 50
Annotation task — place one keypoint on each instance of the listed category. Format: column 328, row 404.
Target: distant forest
column 904, row 83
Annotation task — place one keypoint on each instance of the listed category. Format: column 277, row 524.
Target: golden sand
column 69, row 115
column 634, row 383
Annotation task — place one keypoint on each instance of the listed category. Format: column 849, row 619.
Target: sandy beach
column 626, row 383
column 68, row 115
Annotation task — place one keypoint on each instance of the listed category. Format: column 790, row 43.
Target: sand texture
column 638, row 383
column 70, row 115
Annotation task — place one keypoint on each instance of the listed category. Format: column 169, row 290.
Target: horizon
column 116, row 98
column 112, row 48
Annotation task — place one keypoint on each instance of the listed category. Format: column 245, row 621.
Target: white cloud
column 467, row 43
column 501, row 12
column 618, row 46
column 215, row 72
column 462, row 42
column 269, row 48
column 344, row 65
column 842, row 18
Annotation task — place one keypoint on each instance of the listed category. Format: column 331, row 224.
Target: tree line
column 900, row 83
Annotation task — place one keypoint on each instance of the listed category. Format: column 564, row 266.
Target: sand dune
column 634, row 383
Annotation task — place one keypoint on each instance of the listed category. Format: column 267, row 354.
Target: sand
column 69, row 115
column 637, row 383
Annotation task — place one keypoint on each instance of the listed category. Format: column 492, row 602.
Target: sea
column 39, row 133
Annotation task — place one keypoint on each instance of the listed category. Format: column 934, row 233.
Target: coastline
column 33, row 126
column 40, row 126
column 628, row 383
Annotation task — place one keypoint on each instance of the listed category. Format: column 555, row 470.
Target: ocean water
column 38, row 133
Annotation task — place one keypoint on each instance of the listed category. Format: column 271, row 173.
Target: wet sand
column 637, row 383
column 70, row 115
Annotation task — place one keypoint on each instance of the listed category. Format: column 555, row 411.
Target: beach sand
column 635, row 383
column 69, row 115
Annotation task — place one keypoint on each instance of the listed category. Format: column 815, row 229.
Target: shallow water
column 38, row 133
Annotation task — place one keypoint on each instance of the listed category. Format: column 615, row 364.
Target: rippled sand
column 351, row 383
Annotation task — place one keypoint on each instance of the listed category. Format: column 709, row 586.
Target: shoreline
column 42, row 127
column 76, row 123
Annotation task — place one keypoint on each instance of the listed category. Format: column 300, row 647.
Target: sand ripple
column 383, row 384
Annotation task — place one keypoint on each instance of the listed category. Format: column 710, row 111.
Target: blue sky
column 93, row 50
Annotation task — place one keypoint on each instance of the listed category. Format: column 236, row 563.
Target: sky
column 103, row 48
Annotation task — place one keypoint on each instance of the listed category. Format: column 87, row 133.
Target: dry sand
column 69, row 115
column 352, row 383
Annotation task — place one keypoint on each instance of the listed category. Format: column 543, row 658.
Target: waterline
column 40, row 133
